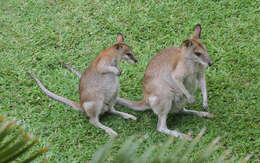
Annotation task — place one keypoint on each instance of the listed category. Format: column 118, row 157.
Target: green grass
column 36, row 35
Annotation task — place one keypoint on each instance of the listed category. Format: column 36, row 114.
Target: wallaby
column 99, row 85
column 171, row 78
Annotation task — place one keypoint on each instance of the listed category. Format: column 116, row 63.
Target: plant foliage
column 14, row 142
column 161, row 154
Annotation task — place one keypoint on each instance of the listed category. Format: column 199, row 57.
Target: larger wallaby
column 171, row 78
column 99, row 85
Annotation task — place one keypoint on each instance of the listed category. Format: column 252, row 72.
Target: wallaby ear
column 120, row 38
column 197, row 31
column 187, row 43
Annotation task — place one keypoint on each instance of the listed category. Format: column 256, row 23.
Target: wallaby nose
column 210, row 63
column 135, row 60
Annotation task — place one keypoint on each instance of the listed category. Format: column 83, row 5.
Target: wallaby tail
column 74, row 105
column 135, row 105
column 71, row 69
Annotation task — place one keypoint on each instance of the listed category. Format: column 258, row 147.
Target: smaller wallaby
column 99, row 85
column 171, row 78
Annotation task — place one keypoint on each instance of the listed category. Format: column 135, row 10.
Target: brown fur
column 99, row 85
column 170, row 80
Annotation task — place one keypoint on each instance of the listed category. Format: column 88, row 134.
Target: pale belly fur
column 110, row 93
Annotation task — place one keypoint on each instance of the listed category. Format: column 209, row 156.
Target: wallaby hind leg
column 162, row 109
column 122, row 114
column 71, row 69
column 162, row 127
column 93, row 110
column 197, row 113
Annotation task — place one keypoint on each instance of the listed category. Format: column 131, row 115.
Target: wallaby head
column 124, row 52
column 196, row 50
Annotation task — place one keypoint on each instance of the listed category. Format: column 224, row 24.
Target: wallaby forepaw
column 191, row 100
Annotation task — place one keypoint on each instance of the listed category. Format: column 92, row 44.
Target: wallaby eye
column 128, row 54
column 197, row 54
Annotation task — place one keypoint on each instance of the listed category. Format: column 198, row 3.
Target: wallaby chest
column 191, row 78
column 191, row 83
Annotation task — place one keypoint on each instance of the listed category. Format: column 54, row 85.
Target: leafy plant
column 160, row 153
column 14, row 143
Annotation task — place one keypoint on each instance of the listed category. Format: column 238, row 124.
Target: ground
column 36, row 35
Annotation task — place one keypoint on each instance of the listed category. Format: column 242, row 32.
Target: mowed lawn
column 36, row 35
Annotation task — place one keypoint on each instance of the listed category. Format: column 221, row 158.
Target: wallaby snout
column 134, row 59
column 210, row 63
